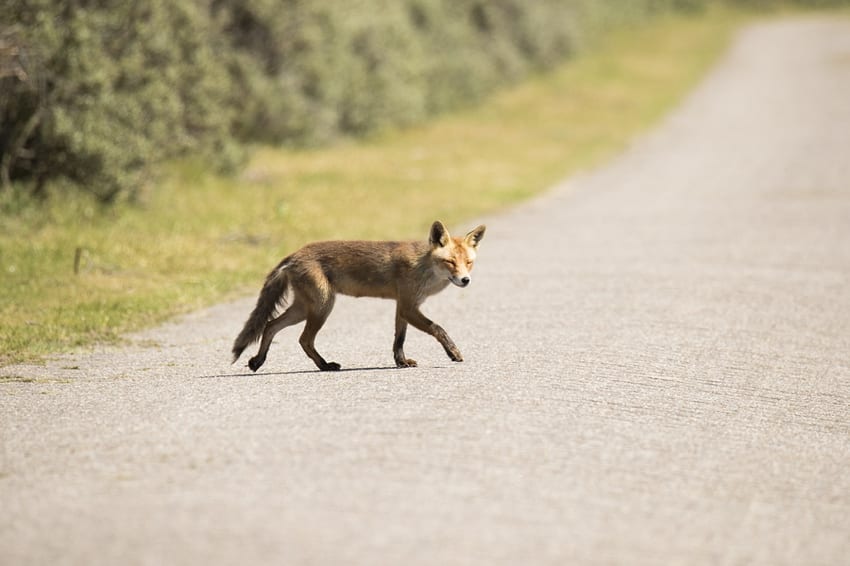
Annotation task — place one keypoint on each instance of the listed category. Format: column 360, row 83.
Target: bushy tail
column 271, row 296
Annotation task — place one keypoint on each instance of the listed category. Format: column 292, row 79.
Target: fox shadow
column 239, row 373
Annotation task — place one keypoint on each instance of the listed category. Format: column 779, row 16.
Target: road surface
column 657, row 372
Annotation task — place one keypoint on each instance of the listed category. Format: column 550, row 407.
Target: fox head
column 454, row 256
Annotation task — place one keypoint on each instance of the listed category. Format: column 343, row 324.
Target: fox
column 306, row 282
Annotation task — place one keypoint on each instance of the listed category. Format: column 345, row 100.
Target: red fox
column 408, row 272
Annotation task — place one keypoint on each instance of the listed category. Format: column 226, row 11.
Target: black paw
column 255, row 363
column 331, row 366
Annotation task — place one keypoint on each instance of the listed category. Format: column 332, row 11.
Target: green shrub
column 99, row 92
column 310, row 71
column 102, row 90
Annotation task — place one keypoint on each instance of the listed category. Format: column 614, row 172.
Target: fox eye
column 449, row 262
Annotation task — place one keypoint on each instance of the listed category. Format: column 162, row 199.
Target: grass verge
column 72, row 274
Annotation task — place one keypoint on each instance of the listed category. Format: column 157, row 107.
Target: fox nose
column 464, row 281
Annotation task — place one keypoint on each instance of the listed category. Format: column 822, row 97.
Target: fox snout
column 460, row 281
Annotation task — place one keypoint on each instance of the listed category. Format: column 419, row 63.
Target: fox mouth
column 460, row 282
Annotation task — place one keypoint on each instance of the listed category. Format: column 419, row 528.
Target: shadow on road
column 297, row 372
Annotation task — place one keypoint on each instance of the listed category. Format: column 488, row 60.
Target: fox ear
column 475, row 236
column 439, row 235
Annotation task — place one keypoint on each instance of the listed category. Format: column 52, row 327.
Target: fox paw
column 255, row 363
column 331, row 366
column 455, row 356
column 406, row 363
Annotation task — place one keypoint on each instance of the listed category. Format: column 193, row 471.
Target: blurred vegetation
column 74, row 272
column 94, row 93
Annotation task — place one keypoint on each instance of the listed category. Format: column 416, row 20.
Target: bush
column 311, row 70
column 97, row 92
column 316, row 70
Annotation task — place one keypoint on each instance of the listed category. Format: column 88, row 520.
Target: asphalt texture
column 657, row 372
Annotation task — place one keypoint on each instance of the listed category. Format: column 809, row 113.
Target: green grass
column 197, row 238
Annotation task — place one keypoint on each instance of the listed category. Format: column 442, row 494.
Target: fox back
column 388, row 270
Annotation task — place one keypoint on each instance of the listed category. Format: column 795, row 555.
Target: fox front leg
column 446, row 342
column 415, row 317
column 398, row 344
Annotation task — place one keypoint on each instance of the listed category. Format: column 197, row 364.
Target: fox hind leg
column 293, row 315
column 315, row 320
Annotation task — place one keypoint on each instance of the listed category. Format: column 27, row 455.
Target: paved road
column 658, row 372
